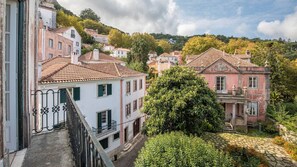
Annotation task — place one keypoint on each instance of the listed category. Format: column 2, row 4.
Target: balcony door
column 11, row 126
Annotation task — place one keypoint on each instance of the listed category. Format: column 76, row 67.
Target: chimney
column 95, row 54
column 74, row 58
column 39, row 68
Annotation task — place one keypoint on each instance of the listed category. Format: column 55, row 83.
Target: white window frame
column 253, row 82
column 60, row 47
column 253, row 108
column 128, row 88
column 222, row 84
column 128, row 109
column 135, row 85
column 51, row 43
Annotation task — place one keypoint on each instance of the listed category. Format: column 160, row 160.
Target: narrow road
column 128, row 159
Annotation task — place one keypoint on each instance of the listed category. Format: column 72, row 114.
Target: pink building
column 52, row 44
column 242, row 87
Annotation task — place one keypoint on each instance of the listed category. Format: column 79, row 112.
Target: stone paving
column 275, row 155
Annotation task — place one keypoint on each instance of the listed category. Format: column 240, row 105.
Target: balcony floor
column 49, row 149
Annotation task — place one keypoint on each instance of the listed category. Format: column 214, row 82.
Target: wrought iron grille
column 105, row 130
column 86, row 148
column 48, row 113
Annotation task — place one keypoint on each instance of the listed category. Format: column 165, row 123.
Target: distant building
column 120, row 52
column 97, row 37
column 157, row 67
column 72, row 34
column 48, row 14
column 242, row 87
column 95, row 57
column 108, row 48
column 178, row 55
column 168, row 57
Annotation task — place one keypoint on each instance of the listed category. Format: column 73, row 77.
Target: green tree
column 126, row 41
column 89, row 14
column 115, row 38
column 179, row 100
column 159, row 50
column 165, row 45
column 239, row 46
column 177, row 150
column 197, row 45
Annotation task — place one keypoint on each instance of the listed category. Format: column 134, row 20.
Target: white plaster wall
column 67, row 34
column 48, row 17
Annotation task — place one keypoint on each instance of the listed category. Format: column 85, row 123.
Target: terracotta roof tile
column 61, row 30
column 102, row 58
column 212, row 55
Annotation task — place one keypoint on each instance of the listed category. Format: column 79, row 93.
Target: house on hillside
column 168, row 57
column 157, row 67
column 96, row 56
column 178, row 55
column 97, row 37
column 120, row 52
column 108, row 94
column 71, row 34
column 241, row 87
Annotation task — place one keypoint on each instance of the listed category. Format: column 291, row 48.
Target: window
column 253, row 108
column 128, row 109
column 50, row 55
column 140, row 102
column 77, row 43
column 76, row 93
column 72, row 34
column 69, row 49
column 253, row 82
column 51, row 43
column 134, row 85
column 116, row 136
column 103, row 120
column 220, row 84
column 140, row 84
column 62, row 95
column 77, row 52
column 103, row 117
column 134, row 105
column 128, row 87
column 104, row 143
column 104, row 90
column 60, row 45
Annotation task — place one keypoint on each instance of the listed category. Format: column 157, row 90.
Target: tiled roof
column 212, row 55
column 165, row 55
column 61, row 30
column 72, row 73
column 243, row 56
column 56, row 61
column 114, row 69
column 102, row 58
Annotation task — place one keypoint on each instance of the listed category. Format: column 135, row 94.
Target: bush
column 269, row 127
column 176, row 149
column 246, row 157
column 291, row 149
column 278, row 140
column 291, row 108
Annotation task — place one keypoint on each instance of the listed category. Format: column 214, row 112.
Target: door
column 136, row 128
column 126, row 135
column 11, row 126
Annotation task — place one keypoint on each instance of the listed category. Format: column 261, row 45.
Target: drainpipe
column 21, row 19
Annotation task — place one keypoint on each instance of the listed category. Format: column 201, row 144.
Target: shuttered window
column 62, row 95
column 76, row 93
column 104, row 90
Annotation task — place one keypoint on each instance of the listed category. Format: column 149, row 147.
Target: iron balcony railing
column 105, row 130
column 49, row 114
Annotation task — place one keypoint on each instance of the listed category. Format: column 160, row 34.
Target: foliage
column 99, row 27
column 278, row 140
column 246, row 157
column 64, row 20
column 269, row 127
column 238, row 46
column 197, row 45
column 91, row 48
column 137, row 66
column 119, row 39
column 165, row 45
column 176, row 149
column 176, row 41
column 59, row 7
column 89, row 14
column 291, row 108
column 159, row 50
column 180, row 100
column 291, row 149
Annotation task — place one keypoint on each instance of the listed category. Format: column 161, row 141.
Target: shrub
column 291, row 108
column 176, row 149
column 291, row 149
column 246, row 157
column 269, row 127
column 278, row 140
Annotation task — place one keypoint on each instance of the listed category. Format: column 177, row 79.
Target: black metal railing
column 48, row 113
column 86, row 148
column 105, row 130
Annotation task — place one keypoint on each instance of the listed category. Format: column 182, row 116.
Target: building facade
column 97, row 37
column 120, row 52
column 242, row 87
column 18, row 43
column 71, row 34
column 109, row 95
column 168, row 57
column 48, row 14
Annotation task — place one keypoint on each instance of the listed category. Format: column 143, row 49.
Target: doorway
column 126, row 135
column 136, row 127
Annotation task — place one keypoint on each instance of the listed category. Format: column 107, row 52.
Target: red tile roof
column 102, row 58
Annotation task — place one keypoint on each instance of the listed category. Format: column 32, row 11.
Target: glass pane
column 7, row 47
column 7, row 77
column 7, row 19
column 7, row 106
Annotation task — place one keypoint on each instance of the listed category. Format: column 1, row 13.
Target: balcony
column 61, row 135
column 105, row 130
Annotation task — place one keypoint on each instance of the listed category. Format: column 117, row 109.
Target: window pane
column 7, row 77
column 103, row 117
column 7, row 47
column 104, row 143
column 7, row 18
column 76, row 93
column 116, row 136
column 62, row 95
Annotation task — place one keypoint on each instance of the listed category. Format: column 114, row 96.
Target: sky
column 266, row 19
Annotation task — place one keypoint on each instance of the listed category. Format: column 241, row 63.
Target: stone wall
column 288, row 135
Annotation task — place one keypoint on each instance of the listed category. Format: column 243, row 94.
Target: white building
column 48, row 14
column 72, row 34
column 109, row 95
column 96, row 56
column 167, row 57
column 97, row 37
column 120, row 52
column 108, row 48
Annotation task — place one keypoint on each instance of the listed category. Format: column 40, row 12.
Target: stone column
column 245, row 112
column 233, row 113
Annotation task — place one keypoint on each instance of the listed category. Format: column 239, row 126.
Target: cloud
column 287, row 28
column 242, row 29
column 132, row 15
column 239, row 10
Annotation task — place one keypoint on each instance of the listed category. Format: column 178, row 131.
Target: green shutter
column 76, row 93
column 109, row 119
column 62, row 95
column 100, row 90
column 99, row 120
column 109, row 89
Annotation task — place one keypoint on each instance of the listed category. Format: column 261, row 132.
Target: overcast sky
column 249, row 18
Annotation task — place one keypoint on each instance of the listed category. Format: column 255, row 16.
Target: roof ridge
column 91, row 69
column 116, row 67
column 48, row 60
column 54, row 72
column 200, row 54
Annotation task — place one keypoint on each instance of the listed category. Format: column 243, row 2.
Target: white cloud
column 242, row 29
column 239, row 10
column 286, row 28
column 132, row 15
